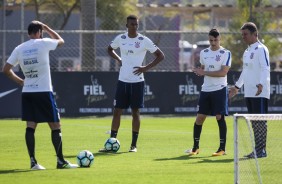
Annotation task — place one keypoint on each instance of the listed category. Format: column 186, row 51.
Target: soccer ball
column 85, row 158
column 112, row 144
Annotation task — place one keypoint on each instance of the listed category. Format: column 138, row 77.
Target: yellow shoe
column 193, row 151
column 219, row 152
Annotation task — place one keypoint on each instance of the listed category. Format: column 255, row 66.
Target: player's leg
column 56, row 136
column 204, row 109
column 116, row 122
column 222, row 135
column 121, row 102
column 198, row 129
column 220, row 109
column 135, row 129
column 28, row 110
column 136, row 102
column 30, row 143
column 258, row 106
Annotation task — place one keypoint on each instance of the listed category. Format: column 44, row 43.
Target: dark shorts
column 214, row 102
column 257, row 105
column 129, row 95
column 39, row 107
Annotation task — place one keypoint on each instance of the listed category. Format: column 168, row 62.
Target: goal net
column 257, row 148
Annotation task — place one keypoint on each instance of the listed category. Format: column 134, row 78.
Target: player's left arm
column 159, row 56
column 7, row 70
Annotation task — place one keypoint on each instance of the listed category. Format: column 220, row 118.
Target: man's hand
column 198, row 71
column 260, row 87
column 139, row 70
column 232, row 92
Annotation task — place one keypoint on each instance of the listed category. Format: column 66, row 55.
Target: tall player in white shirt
column 130, row 88
column 38, row 102
column 255, row 77
column 215, row 63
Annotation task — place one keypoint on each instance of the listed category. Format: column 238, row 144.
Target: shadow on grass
column 108, row 153
column 208, row 159
column 99, row 154
column 15, row 171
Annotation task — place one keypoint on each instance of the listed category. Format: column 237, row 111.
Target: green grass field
column 160, row 157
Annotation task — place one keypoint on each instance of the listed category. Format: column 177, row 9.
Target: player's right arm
column 114, row 55
column 53, row 34
column 7, row 70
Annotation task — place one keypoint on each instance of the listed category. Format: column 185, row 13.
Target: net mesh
column 265, row 163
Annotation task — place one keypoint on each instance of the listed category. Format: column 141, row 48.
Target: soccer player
column 38, row 102
column 215, row 63
column 130, row 87
column 255, row 77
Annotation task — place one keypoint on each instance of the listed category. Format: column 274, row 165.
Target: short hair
column 250, row 26
column 131, row 17
column 34, row 27
column 214, row 32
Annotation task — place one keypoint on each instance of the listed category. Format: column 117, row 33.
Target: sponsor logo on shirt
column 217, row 58
column 31, row 74
column 30, row 52
column 137, row 44
column 30, row 61
column 252, row 55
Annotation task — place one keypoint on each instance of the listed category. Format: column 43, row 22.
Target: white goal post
column 261, row 168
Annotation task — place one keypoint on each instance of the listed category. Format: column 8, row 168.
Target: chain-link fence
column 86, row 50
column 180, row 55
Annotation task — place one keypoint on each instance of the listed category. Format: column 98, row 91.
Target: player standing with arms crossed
column 215, row 63
column 255, row 77
column 130, row 88
column 38, row 102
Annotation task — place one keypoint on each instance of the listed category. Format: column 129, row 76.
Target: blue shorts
column 39, row 107
column 257, row 105
column 213, row 102
column 129, row 95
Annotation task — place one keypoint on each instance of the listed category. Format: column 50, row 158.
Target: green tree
column 250, row 11
column 59, row 10
column 112, row 14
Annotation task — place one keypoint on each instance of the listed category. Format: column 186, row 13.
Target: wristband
column 236, row 87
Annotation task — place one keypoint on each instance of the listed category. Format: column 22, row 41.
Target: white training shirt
column 33, row 58
column 133, row 51
column 256, row 70
column 213, row 61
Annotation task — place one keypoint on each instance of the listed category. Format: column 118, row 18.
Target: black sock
column 30, row 143
column 114, row 133
column 57, row 143
column 134, row 138
column 222, row 132
column 196, row 135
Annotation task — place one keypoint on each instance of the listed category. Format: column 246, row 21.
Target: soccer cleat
column 66, row 165
column 219, row 152
column 260, row 154
column 132, row 149
column 37, row 167
column 194, row 151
